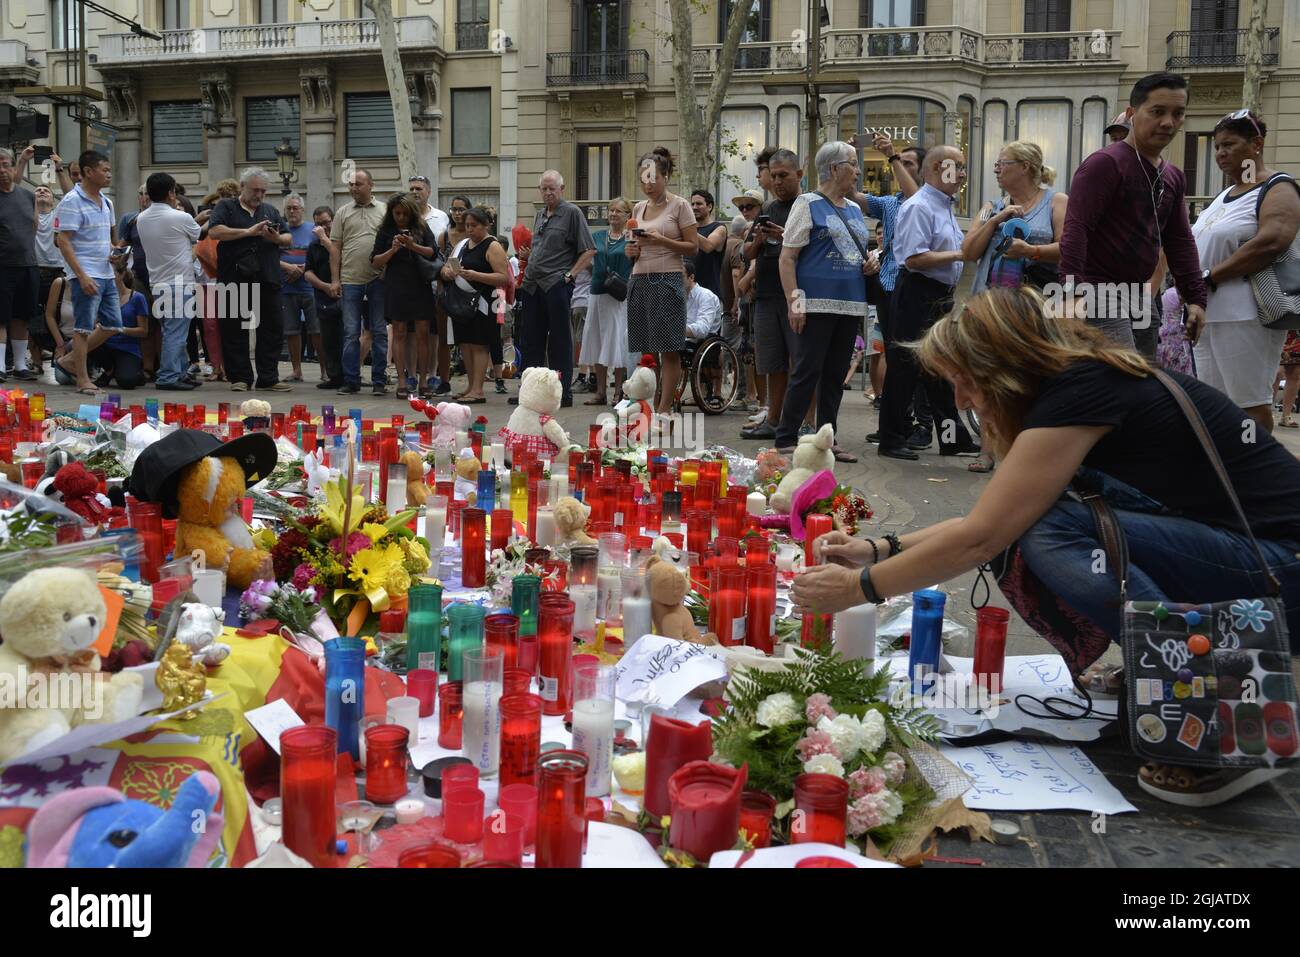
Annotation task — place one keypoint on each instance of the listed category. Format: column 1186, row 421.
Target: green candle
column 464, row 634
column 424, row 626
column 524, row 595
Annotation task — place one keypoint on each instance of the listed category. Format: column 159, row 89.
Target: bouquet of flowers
column 825, row 715
column 285, row 603
column 505, row 564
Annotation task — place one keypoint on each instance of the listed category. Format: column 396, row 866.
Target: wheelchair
column 713, row 370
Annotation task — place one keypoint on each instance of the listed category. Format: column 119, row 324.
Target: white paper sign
column 272, row 720
column 660, row 671
column 611, row 846
column 91, row 735
column 1028, row 776
column 790, row 855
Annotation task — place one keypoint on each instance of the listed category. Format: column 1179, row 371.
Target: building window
column 177, row 131
column 272, row 11
column 965, row 141
column 1047, row 16
column 471, row 24
column 600, row 171
column 1204, row 178
column 1094, row 126
column 904, row 120
column 995, row 137
column 787, row 128
column 471, row 122
column 1047, row 125
column 1214, row 31
column 758, row 29
column 63, row 14
column 363, row 12
column 269, row 119
column 743, row 135
column 175, row 14
column 887, row 14
column 370, row 128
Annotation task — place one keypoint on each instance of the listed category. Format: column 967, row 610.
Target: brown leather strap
column 1112, row 540
column 1203, row 436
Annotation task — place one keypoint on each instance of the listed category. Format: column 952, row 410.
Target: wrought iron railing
column 472, row 35
column 1190, row 49
column 581, row 69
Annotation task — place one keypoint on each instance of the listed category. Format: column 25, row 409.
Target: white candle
column 593, row 735
column 435, row 525
column 855, row 634
column 584, row 608
column 561, row 487
column 756, row 503
column 637, row 622
column 498, row 451
column 462, row 440
column 481, row 726
column 545, row 527
column 608, row 584
column 409, row 810
column 406, row 712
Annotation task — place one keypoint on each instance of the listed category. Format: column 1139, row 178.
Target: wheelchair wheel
column 715, row 376
column 973, row 423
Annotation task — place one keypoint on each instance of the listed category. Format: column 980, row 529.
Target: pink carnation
column 814, row 743
column 302, row 576
column 819, row 705
column 866, row 781
column 894, row 767
column 357, row 541
column 864, row 816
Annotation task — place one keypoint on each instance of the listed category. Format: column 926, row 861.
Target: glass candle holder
column 816, row 630
column 671, row 516
column 462, row 815
column 423, row 685
column 146, row 519
column 406, row 712
column 756, row 811
column 586, row 479
column 308, row 763
column 625, row 513
column 473, row 544
column 821, row 807
column 727, row 605
column 990, row 647
column 758, row 549
column 487, row 490
column 593, row 722
column 386, row 763
column 635, row 600
column 429, row 855
column 503, row 840
column 465, row 633
column 459, row 776
column 521, row 738
column 705, row 801
column 561, row 799
column 555, row 634
column 516, row 681
column 424, row 627
column 525, row 592
column 481, row 724
column 699, row 528
column 555, row 574
column 519, row 495
column 502, row 633
column 345, row 691
column 519, row 801
column 584, row 599
column 502, row 527
column 583, row 564
column 669, row 744
column 451, row 712
column 529, row 653
column 760, row 616
column 927, row 644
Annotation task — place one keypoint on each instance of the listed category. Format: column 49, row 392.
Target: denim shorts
column 103, row 306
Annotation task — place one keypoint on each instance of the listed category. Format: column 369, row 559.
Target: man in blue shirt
column 295, row 293
column 927, row 245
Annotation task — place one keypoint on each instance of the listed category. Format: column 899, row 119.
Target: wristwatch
column 568, row 277
column 1213, row 286
column 868, row 589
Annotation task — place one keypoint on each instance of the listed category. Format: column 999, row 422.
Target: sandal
column 1288, row 423
column 980, row 466
column 841, row 455
column 1190, row 787
column 402, row 393
column 473, row 400
column 598, row 400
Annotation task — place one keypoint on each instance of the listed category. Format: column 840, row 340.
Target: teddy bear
column 199, row 629
column 452, row 417
column 811, row 455
column 533, row 422
column 667, row 588
column 571, row 522
column 636, row 412
column 417, row 492
column 77, row 489
column 256, row 414
column 467, row 469
column 49, row 619
column 209, row 494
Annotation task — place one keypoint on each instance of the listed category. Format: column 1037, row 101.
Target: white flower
column 890, row 805
column 778, row 709
column 824, row 764
column 846, row 734
column 873, row 732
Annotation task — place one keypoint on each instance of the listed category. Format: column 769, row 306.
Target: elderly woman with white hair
column 823, row 265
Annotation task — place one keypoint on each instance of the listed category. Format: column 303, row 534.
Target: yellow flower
column 398, row 582
column 264, row 538
column 417, row 559
column 335, row 506
column 373, row 531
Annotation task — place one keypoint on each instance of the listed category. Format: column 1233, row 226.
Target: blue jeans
column 175, row 318
column 1170, row 559
column 373, row 295
column 103, row 307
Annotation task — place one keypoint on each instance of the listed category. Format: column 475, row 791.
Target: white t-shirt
column 168, row 236
column 47, row 254
column 437, row 220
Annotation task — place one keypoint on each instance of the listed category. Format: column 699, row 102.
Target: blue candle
column 927, row 643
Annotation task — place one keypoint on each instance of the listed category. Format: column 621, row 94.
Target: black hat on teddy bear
column 158, row 469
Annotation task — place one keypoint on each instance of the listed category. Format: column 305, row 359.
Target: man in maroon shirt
column 1127, row 206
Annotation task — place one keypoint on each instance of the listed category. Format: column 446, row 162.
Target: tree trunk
column 406, row 160
column 1256, row 37
column 697, row 125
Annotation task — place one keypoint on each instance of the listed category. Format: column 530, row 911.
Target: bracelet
column 868, row 590
column 895, row 546
column 875, row 552
column 1035, row 252
column 894, row 157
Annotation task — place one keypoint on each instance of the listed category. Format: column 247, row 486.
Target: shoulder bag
column 1208, row 684
column 615, row 285
column 1277, row 287
column 458, row 302
column 852, row 235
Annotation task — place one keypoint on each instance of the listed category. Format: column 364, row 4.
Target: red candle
column 277, row 424
column 503, row 839
column 555, row 575
column 529, row 652
column 521, row 738
column 445, row 489
column 699, row 529
column 503, row 522
column 727, row 550
column 653, row 516
column 516, row 681
column 309, row 438
column 689, row 497
column 815, row 630
column 575, row 459
column 821, row 807
column 990, row 647
column 422, row 683
column 519, row 801
column 146, row 519
column 828, row 862
column 758, row 550
column 671, row 743
column 451, row 713
column 429, row 855
column 705, row 800
column 555, row 641
column 706, row 490
column 756, row 810
column 727, row 605
column 625, row 509
column 386, row 763
column 473, row 569
column 731, row 517
column 760, row 621
column 561, row 798
column 593, row 435
column 33, row 472
column 502, row 631
column 586, row 479
column 307, row 779
column 462, row 814
column 234, row 429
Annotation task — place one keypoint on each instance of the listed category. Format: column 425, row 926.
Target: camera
column 763, row 221
column 42, row 153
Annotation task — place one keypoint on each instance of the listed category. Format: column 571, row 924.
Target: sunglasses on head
column 1244, row 114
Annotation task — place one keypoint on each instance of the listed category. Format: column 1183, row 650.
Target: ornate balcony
column 621, row 68
column 1218, row 50
column 472, row 35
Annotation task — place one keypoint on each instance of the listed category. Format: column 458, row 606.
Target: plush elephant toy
column 100, row 827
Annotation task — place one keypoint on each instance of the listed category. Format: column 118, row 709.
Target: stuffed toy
column 636, row 412
column 571, row 522
column 198, row 630
column 417, row 492
column 452, row 417
column 49, row 619
column 533, row 422
column 811, row 455
column 12, row 471
column 256, row 414
column 100, row 827
column 467, row 469
column 202, row 482
column 182, row 681
column 77, row 489
column 668, row 587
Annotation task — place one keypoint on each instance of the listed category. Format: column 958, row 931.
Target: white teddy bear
column 49, row 619
column 533, row 422
column 811, row 455
column 199, row 629
column 636, row 412
column 452, row 417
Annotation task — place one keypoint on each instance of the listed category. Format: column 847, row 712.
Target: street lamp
column 285, row 155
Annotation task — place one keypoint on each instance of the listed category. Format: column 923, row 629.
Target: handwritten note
column 1029, row 776
column 271, row 720
column 658, row 670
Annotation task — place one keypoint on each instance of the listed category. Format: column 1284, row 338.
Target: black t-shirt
column 767, row 281
column 318, row 264
column 708, row 266
column 230, row 213
column 1152, row 448
column 18, row 227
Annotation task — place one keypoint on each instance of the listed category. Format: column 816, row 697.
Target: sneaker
column 25, row 375
column 920, row 439
column 806, row 429
column 581, row 385
column 180, row 386
column 349, row 388
column 501, row 386
column 762, row 430
column 239, row 387
column 965, row 448
column 757, row 417
column 276, row 387
column 873, row 438
column 379, row 389
column 444, row 388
